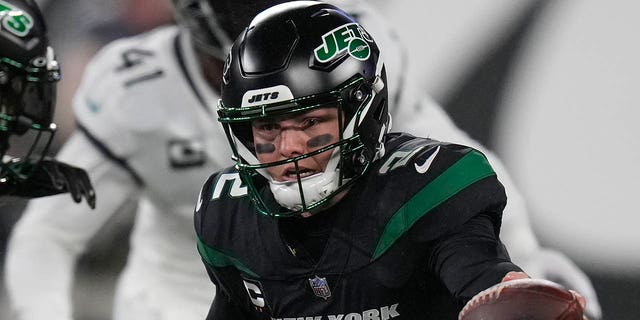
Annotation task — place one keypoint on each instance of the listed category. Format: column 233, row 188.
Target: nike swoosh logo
column 427, row 163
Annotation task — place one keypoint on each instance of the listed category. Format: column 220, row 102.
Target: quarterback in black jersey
column 327, row 215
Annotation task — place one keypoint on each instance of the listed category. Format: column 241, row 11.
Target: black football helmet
column 296, row 57
column 28, row 77
column 214, row 24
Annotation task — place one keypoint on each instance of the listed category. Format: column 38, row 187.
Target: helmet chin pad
column 299, row 194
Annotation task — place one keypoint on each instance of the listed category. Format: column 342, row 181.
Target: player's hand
column 557, row 267
column 518, row 297
column 72, row 179
column 51, row 177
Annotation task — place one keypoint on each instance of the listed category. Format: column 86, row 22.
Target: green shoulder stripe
column 470, row 168
column 219, row 259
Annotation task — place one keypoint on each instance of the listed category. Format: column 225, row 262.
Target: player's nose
column 292, row 143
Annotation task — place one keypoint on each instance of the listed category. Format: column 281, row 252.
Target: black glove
column 51, row 177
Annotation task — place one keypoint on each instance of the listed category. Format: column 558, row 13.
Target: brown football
column 531, row 299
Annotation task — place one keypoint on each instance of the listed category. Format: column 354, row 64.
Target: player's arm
column 471, row 258
column 474, row 266
column 54, row 231
column 51, row 177
column 420, row 115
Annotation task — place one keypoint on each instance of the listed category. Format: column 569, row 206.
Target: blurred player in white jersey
column 146, row 112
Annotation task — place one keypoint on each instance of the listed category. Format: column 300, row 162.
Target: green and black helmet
column 28, row 77
column 295, row 57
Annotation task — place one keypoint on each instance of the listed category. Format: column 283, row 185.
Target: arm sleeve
column 54, row 231
column 420, row 115
column 471, row 258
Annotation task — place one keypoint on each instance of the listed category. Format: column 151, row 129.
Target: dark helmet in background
column 214, row 24
column 28, row 77
column 297, row 57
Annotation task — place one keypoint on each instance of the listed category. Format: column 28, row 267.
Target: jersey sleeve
column 470, row 258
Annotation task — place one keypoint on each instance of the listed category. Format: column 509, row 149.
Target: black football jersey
column 414, row 238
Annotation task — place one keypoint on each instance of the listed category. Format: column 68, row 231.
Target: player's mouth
column 291, row 174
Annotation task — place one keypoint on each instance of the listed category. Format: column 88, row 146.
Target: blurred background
column 552, row 86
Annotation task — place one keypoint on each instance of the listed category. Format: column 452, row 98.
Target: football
column 531, row 299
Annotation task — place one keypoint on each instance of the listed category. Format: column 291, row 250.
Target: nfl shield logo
column 320, row 287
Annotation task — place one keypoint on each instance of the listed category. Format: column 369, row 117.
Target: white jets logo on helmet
column 266, row 95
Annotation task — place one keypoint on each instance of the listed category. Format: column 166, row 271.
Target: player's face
column 279, row 139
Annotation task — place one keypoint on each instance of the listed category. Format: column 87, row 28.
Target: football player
column 28, row 77
column 325, row 214
column 146, row 111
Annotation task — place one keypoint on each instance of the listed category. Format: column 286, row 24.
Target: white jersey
column 148, row 131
